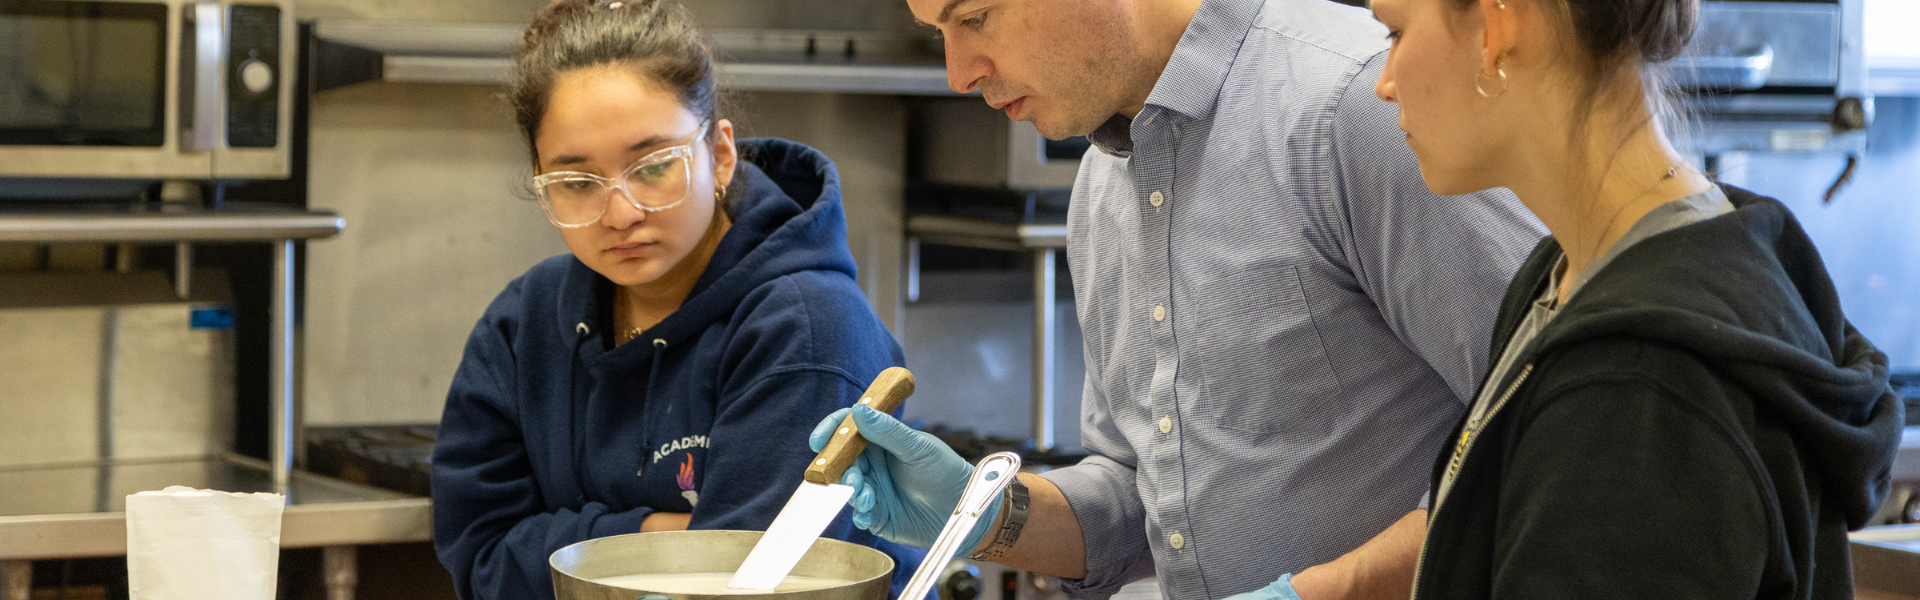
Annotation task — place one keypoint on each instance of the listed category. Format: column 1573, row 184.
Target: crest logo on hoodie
column 685, row 479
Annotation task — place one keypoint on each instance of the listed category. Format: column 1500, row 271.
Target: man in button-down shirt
column 1281, row 321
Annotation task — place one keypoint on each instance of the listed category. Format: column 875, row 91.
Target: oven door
column 144, row 90
column 1777, row 76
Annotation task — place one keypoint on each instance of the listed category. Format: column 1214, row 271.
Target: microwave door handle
column 1737, row 73
column 209, row 54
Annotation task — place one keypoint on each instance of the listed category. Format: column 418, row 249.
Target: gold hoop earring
column 1500, row 5
column 720, row 195
column 1479, row 80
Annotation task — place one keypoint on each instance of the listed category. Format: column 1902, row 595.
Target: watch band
column 1013, row 514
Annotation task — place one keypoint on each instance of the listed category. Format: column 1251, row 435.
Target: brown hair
column 656, row 38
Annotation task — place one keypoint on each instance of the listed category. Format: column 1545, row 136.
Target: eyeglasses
column 656, row 182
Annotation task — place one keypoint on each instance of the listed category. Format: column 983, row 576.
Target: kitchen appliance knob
column 256, row 76
column 962, row 582
column 1849, row 114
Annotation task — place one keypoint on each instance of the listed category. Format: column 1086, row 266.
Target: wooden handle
column 887, row 392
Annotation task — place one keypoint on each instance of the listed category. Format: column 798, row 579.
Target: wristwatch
column 1013, row 517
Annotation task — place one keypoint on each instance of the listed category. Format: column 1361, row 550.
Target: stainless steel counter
column 79, row 510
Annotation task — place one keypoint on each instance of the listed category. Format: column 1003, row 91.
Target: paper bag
column 188, row 544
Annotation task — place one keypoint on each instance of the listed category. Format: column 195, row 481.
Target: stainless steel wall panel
column 169, row 386
column 428, row 175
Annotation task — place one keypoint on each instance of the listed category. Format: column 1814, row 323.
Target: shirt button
column 1157, row 199
column 1166, row 425
column 1160, row 313
column 1177, row 541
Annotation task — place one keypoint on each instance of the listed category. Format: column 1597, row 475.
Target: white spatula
column 819, row 499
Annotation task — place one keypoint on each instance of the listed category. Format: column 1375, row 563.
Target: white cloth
column 188, row 544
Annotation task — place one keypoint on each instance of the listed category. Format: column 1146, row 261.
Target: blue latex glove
column 1278, row 590
column 906, row 483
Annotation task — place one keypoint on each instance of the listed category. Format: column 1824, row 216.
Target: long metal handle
column 210, row 52
column 990, row 477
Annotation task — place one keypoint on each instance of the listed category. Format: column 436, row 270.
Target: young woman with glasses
column 1678, row 407
column 664, row 374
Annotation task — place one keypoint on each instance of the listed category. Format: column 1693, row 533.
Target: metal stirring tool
column 990, row 477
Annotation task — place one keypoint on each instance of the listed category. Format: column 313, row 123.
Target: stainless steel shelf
column 756, row 60
column 240, row 224
column 79, row 510
column 982, row 233
column 921, row 80
column 917, row 80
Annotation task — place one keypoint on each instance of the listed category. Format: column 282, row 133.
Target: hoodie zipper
column 1459, row 459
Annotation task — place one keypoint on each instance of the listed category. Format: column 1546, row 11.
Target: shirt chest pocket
column 1261, row 362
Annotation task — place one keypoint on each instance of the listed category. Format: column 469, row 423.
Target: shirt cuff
column 1113, row 525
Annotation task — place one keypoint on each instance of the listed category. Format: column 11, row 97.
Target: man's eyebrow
column 947, row 11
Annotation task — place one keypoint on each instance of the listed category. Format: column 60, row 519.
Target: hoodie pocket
column 1261, row 359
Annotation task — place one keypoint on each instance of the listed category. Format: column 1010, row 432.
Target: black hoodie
column 1699, row 421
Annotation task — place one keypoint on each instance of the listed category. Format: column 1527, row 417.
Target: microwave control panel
column 253, row 76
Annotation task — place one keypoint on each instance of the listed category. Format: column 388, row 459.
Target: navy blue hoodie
column 551, row 435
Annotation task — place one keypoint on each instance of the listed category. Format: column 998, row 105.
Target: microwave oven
column 146, row 89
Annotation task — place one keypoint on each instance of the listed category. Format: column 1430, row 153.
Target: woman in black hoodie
column 1677, row 407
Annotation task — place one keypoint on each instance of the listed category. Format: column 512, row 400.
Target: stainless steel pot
column 710, row 551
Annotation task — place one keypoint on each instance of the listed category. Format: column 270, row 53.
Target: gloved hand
column 1278, row 590
column 906, row 483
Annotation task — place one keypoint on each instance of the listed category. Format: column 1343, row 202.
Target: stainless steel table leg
column 1043, row 348
column 342, row 571
column 17, row 577
column 183, row 269
column 281, row 368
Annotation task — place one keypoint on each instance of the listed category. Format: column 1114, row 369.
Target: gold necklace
column 1671, row 172
column 620, row 309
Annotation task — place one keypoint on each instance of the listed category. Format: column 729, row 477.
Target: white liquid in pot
column 712, row 583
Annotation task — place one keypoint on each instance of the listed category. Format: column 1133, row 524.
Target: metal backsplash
column 122, row 382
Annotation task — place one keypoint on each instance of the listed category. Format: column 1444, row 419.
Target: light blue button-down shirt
column 1281, row 321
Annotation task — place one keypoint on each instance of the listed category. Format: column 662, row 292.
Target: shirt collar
column 1190, row 84
column 1114, row 137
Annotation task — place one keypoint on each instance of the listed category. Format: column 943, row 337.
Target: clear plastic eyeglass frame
column 568, row 187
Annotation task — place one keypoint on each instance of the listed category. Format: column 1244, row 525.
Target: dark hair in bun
column 656, row 38
column 1618, row 31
